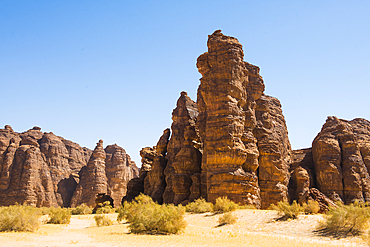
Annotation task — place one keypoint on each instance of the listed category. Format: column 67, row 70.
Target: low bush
column 346, row 219
column 102, row 220
column 223, row 205
column 199, row 206
column 226, row 218
column 59, row 216
column 287, row 211
column 146, row 216
column 81, row 210
column 311, row 207
column 19, row 218
column 105, row 208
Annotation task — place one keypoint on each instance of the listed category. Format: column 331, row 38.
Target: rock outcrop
column 243, row 131
column 42, row 169
column 232, row 142
column 341, row 157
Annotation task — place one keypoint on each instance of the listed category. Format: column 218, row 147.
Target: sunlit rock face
column 232, row 142
column 341, row 154
column 243, row 131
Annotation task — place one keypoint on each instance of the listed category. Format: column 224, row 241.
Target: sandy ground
column 253, row 228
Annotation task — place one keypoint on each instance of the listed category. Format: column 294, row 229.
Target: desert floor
column 253, row 228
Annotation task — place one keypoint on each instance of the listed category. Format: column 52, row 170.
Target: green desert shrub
column 81, row 209
column 102, row 220
column 287, row 211
column 146, row 216
column 19, row 218
column 223, row 205
column 59, row 216
column 226, row 218
column 199, row 206
column 105, row 208
column 311, row 207
column 346, row 219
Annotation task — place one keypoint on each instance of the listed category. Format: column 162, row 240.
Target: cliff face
column 232, row 142
column 341, row 157
column 42, row 169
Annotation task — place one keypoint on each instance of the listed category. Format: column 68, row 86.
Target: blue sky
column 113, row 70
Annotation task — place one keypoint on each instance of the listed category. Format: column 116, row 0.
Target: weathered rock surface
column 154, row 183
column 220, row 145
column 119, row 170
column 241, row 128
column 184, row 157
column 341, row 154
column 42, row 169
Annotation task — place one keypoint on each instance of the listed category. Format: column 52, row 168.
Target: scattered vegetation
column 59, row 216
column 227, row 218
column 146, row 216
column 81, row 210
column 311, row 207
column 346, row 219
column 102, row 220
column 105, row 208
column 19, row 218
column 199, row 206
column 287, row 211
column 223, row 205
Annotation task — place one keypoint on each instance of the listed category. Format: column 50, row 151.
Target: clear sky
column 113, row 70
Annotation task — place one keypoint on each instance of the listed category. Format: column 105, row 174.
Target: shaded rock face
column 154, row 183
column 42, row 169
column 136, row 185
column 119, row 170
column 341, row 157
column 184, row 154
column 93, row 180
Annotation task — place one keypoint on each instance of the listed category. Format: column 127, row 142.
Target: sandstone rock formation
column 341, row 157
column 233, row 142
column 241, row 128
column 42, row 169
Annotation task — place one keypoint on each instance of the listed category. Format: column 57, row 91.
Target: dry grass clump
column 199, row 206
column 146, row 216
column 287, row 211
column 311, row 207
column 59, row 216
column 223, row 205
column 105, row 208
column 81, row 210
column 19, row 218
column 102, row 220
column 346, row 219
column 227, row 218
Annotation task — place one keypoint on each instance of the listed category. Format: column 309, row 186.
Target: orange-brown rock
column 119, row 170
column 93, row 180
column 42, row 169
column 232, row 142
column 136, row 185
column 241, row 128
column 340, row 153
column 184, row 156
column 154, row 183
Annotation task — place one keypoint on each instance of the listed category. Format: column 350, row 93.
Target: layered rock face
column 42, row 169
column 341, row 157
column 232, row 142
column 242, row 130
column 184, row 155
